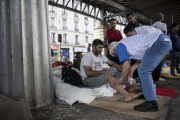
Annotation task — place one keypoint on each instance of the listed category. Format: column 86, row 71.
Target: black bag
column 71, row 76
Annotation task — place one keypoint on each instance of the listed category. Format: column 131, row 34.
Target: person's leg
column 108, row 78
column 96, row 81
column 157, row 72
column 101, row 79
column 135, row 74
column 126, row 95
column 115, row 72
column 177, row 62
column 173, row 63
column 150, row 61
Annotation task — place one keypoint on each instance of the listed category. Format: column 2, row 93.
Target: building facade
column 77, row 32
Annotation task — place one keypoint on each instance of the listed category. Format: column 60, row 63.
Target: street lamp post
column 60, row 40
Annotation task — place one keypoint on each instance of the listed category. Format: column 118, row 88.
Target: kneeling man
column 94, row 75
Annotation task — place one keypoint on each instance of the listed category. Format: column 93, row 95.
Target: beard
column 97, row 52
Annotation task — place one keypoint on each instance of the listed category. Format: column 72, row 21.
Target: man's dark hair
column 174, row 24
column 112, row 19
column 97, row 42
column 129, row 14
column 128, row 28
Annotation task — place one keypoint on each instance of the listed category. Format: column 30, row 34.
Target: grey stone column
column 99, row 32
column 25, row 66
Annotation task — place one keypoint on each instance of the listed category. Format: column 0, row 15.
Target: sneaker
column 147, row 106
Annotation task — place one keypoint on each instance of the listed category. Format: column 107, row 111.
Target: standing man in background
column 175, row 48
column 131, row 21
column 159, row 25
column 113, row 35
column 89, row 48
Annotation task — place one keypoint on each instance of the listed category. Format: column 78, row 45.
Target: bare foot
column 131, row 96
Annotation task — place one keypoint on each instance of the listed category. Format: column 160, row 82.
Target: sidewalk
column 77, row 111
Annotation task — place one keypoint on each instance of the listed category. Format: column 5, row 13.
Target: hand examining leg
column 116, row 84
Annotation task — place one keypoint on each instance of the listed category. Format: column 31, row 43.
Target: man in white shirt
column 148, row 50
column 94, row 75
column 159, row 25
column 129, row 31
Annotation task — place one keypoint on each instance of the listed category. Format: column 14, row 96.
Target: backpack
column 71, row 76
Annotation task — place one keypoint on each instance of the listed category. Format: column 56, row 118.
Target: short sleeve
column 105, row 59
column 87, row 60
column 122, row 53
column 164, row 27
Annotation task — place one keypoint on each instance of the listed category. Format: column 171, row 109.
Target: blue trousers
column 151, row 59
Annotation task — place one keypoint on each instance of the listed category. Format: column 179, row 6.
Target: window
column 52, row 22
column 53, row 37
column 76, row 39
column 76, row 26
column 75, row 15
column 65, row 38
column 51, row 8
column 86, row 27
column 86, row 18
column 64, row 24
column 64, row 12
column 94, row 22
column 86, row 39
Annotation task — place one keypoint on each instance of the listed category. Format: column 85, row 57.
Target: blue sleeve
column 122, row 53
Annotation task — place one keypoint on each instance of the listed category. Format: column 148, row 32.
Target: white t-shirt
column 138, row 44
column 96, row 63
column 147, row 30
column 161, row 26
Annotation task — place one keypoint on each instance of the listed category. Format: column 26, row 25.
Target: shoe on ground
column 142, row 97
column 147, row 106
column 173, row 74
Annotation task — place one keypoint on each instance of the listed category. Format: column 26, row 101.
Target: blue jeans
column 151, row 59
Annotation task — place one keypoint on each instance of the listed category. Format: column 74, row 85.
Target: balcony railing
column 86, row 31
column 77, row 43
column 76, row 29
column 52, row 11
column 64, row 13
column 53, row 41
column 65, row 28
column 65, row 42
column 53, row 26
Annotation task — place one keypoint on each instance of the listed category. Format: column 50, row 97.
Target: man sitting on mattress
column 94, row 75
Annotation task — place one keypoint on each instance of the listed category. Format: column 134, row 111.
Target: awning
column 55, row 47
